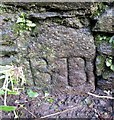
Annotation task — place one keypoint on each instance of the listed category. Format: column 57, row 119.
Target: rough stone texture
column 73, row 22
column 60, row 73
column 57, row 57
column 105, row 22
column 100, row 63
column 67, row 42
column 105, row 48
column 77, row 75
column 48, row 61
column 85, row 8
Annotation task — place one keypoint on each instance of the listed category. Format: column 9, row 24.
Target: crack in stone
column 68, row 71
column 32, row 73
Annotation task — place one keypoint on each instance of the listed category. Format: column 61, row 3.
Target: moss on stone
column 100, row 64
column 99, row 38
column 107, row 74
column 97, row 9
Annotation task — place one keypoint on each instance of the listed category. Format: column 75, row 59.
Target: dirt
column 68, row 106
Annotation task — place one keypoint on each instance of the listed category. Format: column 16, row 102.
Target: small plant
column 23, row 24
column 108, row 39
column 31, row 93
column 109, row 63
column 48, row 98
column 13, row 80
column 103, row 38
column 2, row 8
column 97, row 9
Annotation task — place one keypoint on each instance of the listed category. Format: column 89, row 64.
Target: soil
column 68, row 106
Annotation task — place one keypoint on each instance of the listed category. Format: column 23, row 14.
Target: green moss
column 100, row 38
column 6, row 9
column 106, row 74
column 23, row 24
column 2, row 9
column 98, row 9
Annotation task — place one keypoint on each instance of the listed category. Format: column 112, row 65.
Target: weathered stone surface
column 42, row 80
column 100, row 64
column 59, row 56
column 6, row 50
column 60, row 73
column 89, row 69
column 105, row 48
column 45, row 15
column 6, row 25
column 105, row 84
column 105, row 22
column 28, row 72
column 65, row 55
column 39, row 64
column 67, row 42
column 77, row 75
column 68, row 6
column 72, row 22
column 54, row 6
column 7, row 60
column 56, row 56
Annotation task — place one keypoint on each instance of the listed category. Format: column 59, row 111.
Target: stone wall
column 63, row 52
column 104, row 29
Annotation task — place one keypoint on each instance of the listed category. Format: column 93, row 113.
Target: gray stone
column 68, row 54
column 89, row 69
column 45, row 15
column 39, row 64
column 42, row 80
column 67, row 42
column 6, row 50
column 28, row 72
column 105, row 22
column 77, row 75
column 105, row 84
column 59, row 57
column 60, row 73
column 100, row 64
column 69, row 6
column 105, row 48
column 55, row 6
column 7, row 60
column 72, row 22
column 8, row 32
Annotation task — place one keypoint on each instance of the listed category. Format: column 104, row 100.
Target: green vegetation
column 108, row 60
column 31, row 93
column 98, row 9
column 7, row 108
column 23, row 24
column 13, row 81
column 109, row 63
column 2, row 8
column 101, row 38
